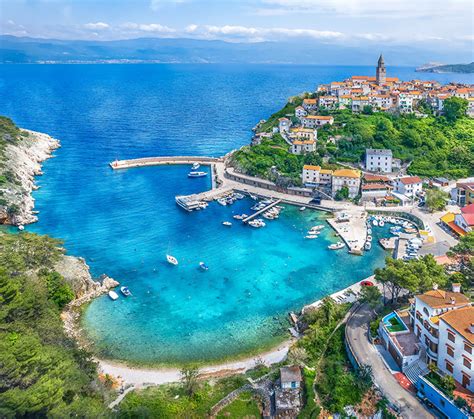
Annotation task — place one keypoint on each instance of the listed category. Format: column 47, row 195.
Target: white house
column 310, row 104
column 313, row 121
column 409, row 186
column 346, row 177
column 378, row 160
column 314, row 175
column 303, row 134
column 465, row 220
column 300, row 112
column 358, row 103
column 303, row 146
column 284, row 125
column 405, row 102
column 327, row 101
column 456, row 342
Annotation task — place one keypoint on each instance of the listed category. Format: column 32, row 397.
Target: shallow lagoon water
column 123, row 223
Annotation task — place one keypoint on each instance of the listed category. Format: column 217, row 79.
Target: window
column 449, row 367
column 467, row 348
column 466, row 362
column 451, row 336
column 450, row 351
column 466, row 380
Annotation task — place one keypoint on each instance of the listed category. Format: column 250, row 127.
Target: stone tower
column 381, row 72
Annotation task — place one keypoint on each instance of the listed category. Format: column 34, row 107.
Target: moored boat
column 203, row 266
column 197, row 174
column 336, row 246
column 195, row 166
column 227, row 223
column 125, row 291
column 367, row 245
column 113, row 295
column 302, row 208
column 172, row 260
column 311, row 236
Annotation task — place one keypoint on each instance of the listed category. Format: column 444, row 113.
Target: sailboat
column 172, row 260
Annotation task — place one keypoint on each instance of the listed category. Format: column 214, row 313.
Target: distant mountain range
column 446, row 68
column 159, row 50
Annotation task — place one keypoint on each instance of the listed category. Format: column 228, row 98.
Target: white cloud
column 254, row 34
column 147, row 27
column 97, row 26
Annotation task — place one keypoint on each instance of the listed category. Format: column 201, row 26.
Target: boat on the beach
column 226, row 223
column 172, row 260
column 197, row 174
column 125, row 291
column 336, row 246
column 195, row 166
column 203, row 266
column 113, row 295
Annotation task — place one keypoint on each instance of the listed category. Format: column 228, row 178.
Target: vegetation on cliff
column 42, row 371
column 436, row 145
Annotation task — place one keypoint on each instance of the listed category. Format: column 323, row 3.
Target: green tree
column 370, row 296
column 342, row 194
column 448, row 383
column 189, row 379
column 436, row 199
column 455, row 108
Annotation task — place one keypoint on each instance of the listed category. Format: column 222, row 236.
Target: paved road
column 365, row 353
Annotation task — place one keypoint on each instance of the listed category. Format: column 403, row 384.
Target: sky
column 443, row 24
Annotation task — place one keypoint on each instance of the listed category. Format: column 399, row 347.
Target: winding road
column 365, row 353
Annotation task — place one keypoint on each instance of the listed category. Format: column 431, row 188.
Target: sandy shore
column 142, row 376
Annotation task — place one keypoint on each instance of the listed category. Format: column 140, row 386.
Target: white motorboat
column 203, row 266
column 311, row 236
column 369, row 231
column 375, row 223
column 336, row 246
column 302, row 208
column 369, row 238
column 381, row 223
column 195, row 166
column 222, row 201
column 368, row 245
column 113, row 295
column 21, row 227
column 172, row 260
column 237, row 217
column 197, row 174
column 227, row 223
column 317, row 228
column 239, row 195
column 125, row 291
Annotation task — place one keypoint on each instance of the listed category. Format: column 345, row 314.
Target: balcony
column 432, row 354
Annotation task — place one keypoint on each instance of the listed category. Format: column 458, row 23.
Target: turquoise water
column 123, row 223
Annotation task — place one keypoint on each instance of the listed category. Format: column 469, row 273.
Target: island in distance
column 446, row 68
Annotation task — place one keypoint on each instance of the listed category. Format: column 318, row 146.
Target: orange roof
column 310, row 101
column 304, row 142
column 347, row 173
column 443, row 299
column 410, row 180
column 321, row 117
column 460, row 320
column 369, row 78
column 326, row 172
column 375, row 178
column 311, row 167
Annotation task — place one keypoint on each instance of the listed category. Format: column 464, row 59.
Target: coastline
column 140, row 377
column 24, row 160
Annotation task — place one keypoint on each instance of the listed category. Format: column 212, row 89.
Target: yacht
column 197, row 174
column 125, row 291
column 172, row 260
column 203, row 266
column 195, row 166
column 113, row 295
column 226, row 223
column 336, row 246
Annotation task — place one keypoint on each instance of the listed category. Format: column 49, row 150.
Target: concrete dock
column 352, row 228
column 160, row 161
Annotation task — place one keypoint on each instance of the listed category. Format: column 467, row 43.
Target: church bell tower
column 381, row 72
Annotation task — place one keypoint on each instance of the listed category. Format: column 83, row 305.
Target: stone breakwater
column 24, row 160
column 76, row 272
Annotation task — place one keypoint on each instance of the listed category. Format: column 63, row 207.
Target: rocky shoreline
column 23, row 160
column 76, row 273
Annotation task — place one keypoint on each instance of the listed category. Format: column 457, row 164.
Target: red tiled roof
column 468, row 209
column 410, row 180
column 469, row 219
column 375, row 178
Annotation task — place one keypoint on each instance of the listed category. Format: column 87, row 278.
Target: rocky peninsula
column 21, row 154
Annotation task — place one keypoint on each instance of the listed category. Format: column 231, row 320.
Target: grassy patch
column 245, row 406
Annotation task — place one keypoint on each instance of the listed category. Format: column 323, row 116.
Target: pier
column 161, row 161
column 251, row 217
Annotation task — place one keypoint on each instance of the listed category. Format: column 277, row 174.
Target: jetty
column 251, row 217
column 161, row 161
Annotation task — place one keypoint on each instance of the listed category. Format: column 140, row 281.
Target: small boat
column 172, row 260
column 369, row 238
column 203, row 266
column 237, row 217
column 226, row 223
column 125, row 291
column 369, row 231
column 21, row 227
column 239, row 196
column 222, row 201
column 381, row 223
column 336, row 246
column 302, row 208
column 195, row 166
column 197, row 174
column 311, row 236
column 317, row 228
column 367, row 245
column 113, row 295
column 375, row 223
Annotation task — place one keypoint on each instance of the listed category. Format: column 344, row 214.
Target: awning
column 458, row 230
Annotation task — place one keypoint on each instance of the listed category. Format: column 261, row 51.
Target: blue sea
column 125, row 222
